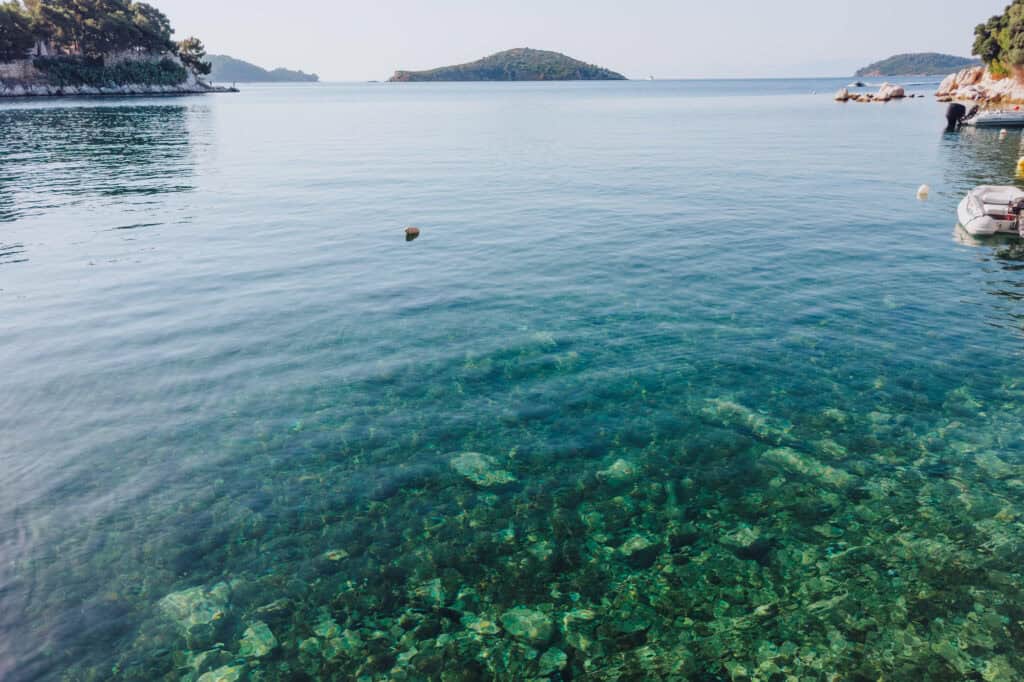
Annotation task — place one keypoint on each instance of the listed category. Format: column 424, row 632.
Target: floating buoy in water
column 1020, row 166
column 1003, row 133
column 412, row 234
column 923, row 191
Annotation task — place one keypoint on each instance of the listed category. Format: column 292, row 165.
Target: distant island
column 228, row 69
column 521, row 64
column 917, row 64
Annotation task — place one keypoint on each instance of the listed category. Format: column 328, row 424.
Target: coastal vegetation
column 523, row 64
column 16, row 36
column 916, row 64
column 1000, row 41
column 236, row 70
column 95, row 42
column 66, row 72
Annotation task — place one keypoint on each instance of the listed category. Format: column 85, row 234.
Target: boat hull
column 983, row 225
column 1013, row 119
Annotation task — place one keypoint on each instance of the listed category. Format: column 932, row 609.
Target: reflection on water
column 977, row 156
column 80, row 155
column 11, row 253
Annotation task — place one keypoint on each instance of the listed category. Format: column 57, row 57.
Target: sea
column 680, row 381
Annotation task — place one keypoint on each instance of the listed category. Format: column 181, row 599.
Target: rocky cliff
column 979, row 84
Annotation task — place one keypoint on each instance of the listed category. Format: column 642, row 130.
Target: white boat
column 991, row 209
column 996, row 119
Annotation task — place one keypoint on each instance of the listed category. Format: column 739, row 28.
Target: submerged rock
column 327, row 627
column 552, row 661
column 640, row 550
column 257, row 642
column 620, row 472
column 481, row 626
column 228, row 673
column 482, row 470
column 196, row 609
column 528, row 625
column 799, row 463
column 578, row 629
column 733, row 415
column 431, row 593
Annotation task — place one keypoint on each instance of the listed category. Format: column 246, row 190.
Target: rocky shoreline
column 978, row 84
column 46, row 90
column 886, row 93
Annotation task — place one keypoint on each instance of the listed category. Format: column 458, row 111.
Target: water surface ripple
column 680, row 382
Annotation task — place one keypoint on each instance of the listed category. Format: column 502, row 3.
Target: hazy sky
column 347, row 40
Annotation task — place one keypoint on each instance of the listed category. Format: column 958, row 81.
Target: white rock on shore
column 977, row 83
column 888, row 92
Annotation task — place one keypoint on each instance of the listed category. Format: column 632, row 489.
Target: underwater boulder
column 535, row 627
column 196, row 611
column 621, row 472
column 640, row 550
column 228, row 673
column 481, row 470
column 257, row 642
column 552, row 661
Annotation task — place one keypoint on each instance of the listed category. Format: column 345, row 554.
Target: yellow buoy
column 1020, row 166
column 924, row 190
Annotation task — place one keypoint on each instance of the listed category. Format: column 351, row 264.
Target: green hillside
column 918, row 64
column 230, row 70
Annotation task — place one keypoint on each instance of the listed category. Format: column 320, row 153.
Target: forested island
column 228, row 69
column 62, row 47
column 522, row 64
column 917, row 64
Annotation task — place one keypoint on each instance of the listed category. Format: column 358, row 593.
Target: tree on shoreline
column 92, row 29
column 16, row 34
column 1000, row 41
column 192, row 53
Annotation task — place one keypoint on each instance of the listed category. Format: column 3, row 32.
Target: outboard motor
column 955, row 115
column 1017, row 208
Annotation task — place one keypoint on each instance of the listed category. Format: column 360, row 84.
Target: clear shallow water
column 745, row 408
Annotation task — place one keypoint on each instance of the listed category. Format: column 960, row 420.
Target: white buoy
column 923, row 191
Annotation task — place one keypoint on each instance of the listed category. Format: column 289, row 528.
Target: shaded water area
column 680, row 382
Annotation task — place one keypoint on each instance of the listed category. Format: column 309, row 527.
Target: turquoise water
column 680, row 381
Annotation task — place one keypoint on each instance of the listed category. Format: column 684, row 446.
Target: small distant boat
column 992, row 209
column 996, row 119
column 650, row 78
